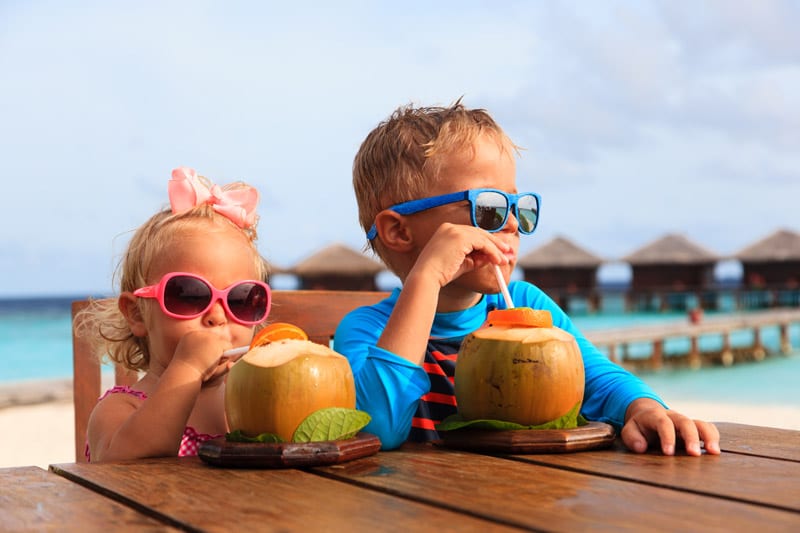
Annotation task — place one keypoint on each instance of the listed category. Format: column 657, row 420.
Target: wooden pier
column 617, row 342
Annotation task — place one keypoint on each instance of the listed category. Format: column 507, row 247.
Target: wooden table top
column 753, row 485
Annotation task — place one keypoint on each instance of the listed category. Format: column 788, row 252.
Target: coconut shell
column 273, row 388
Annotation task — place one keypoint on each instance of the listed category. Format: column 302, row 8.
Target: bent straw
column 503, row 288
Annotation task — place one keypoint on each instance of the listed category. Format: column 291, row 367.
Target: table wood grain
column 538, row 496
column 760, row 480
column 199, row 496
column 33, row 499
column 752, row 486
column 774, row 443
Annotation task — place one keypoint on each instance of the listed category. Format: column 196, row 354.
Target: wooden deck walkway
column 617, row 342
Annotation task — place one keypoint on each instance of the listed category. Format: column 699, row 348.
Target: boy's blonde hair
column 403, row 155
column 103, row 323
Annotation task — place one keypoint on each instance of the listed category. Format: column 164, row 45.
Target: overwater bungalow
column 771, row 271
column 338, row 267
column 671, row 273
column 565, row 271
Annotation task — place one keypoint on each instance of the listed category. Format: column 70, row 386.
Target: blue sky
column 638, row 118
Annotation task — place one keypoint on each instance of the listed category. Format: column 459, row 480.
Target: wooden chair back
column 316, row 312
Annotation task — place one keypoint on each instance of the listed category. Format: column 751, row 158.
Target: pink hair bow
column 186, row 191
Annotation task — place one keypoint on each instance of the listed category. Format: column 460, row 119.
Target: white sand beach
column 38, row 425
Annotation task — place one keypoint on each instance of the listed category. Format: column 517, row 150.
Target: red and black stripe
column 440, row 402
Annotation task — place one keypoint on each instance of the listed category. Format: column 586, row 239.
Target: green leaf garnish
column 570, row 420
column 237, row 436
column 332, row 423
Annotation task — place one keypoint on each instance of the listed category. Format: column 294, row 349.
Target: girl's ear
column 129, row 308
column 393, row 230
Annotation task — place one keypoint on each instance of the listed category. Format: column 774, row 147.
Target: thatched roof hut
column 671, row 262
column 338, row 267
column 773, row 260
column 560, row 264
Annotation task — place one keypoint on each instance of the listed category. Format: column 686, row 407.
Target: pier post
column 759, row 353
column 658, row 354
column 727, row 354
column 786, row 345
column 694, row 353
column 612, row 352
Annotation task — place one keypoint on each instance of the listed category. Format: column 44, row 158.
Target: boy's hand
column 455, row 249
column 647, row 422
column 452, row 250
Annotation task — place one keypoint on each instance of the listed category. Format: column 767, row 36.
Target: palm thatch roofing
column 337, row 259
column 559, row 252
column 671, row 249
column 782, row 245
column 277, row 269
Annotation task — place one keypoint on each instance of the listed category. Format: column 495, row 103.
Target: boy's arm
column 388, row 387
column 610, row 389
column 620, row 398
column 452, row 250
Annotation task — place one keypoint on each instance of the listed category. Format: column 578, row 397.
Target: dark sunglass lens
column 528, row 213
column 491, row 210
column 186, row 296
column 248, row 301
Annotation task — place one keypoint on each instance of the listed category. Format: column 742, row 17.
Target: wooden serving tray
column 220, row 452
column 592, row 436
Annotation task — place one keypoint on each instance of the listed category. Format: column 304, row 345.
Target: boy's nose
column 512, row 224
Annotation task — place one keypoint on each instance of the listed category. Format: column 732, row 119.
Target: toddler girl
column 192, row 285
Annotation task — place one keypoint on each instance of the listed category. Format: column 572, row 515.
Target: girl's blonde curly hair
column 103, row 324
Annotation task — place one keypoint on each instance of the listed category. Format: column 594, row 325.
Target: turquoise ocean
column 36, row 344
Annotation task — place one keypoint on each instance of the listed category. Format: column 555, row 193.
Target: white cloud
column 639, row 118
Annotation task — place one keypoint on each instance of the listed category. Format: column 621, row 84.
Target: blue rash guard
column 391, row 388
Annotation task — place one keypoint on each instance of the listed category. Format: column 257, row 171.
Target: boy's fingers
column 666, row 434
column 709, row 434
column 688, row 432
column 633, row 438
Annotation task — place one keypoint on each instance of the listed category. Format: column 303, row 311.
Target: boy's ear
column 129, row 308
column 395, row 233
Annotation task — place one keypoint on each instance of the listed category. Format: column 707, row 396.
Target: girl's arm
column 122, row 427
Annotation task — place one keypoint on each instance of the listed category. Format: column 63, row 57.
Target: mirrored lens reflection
column 491, row 210
column 528, row 213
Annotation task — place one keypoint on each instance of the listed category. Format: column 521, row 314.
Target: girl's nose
column 216, row 315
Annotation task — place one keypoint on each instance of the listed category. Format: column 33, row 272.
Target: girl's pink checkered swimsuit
column 191, row 439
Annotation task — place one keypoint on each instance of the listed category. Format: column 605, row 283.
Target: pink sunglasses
column 184, row 295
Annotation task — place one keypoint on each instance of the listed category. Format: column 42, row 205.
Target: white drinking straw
column 503, row 288
column 236, row 353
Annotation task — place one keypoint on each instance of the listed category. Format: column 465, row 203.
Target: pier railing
column 712, row 297
column 617, row 343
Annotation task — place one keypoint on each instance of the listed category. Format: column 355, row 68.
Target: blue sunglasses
column 489, row 208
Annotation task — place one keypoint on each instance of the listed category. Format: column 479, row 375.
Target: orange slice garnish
column 277, row 331
column 520, row 317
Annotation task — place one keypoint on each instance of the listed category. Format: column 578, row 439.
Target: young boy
column 437, row 196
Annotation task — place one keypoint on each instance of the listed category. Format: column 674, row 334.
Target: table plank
column 754, row 479
column 757, row 440
column 200, row 496
column 34, row 499
column 541, row 497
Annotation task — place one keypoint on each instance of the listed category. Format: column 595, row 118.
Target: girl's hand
column 200, row 351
